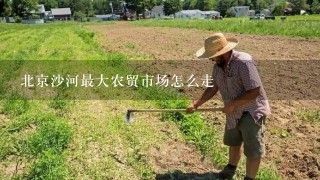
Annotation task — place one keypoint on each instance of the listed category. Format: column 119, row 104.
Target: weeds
column 15, row 105
column 292, row 27
column 49, row 165
column 53, row 134
column 312, row 116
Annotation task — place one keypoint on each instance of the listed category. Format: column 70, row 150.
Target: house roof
column 210, row 12
column 241, row 7
column 61, row 11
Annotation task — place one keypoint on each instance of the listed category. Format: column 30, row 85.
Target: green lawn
column 294, row 26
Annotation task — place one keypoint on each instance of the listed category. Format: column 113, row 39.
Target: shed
column 61, row 13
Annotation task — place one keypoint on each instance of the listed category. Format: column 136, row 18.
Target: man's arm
column 251, row 81
column 207, row 94
column 244, row 99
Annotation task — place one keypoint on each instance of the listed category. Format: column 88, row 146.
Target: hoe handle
column 173, row 110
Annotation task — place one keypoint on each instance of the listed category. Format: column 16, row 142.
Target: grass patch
column 14, row 106
column 53, row 134
column 295, row 26
column 312, row 116
column 49, row 165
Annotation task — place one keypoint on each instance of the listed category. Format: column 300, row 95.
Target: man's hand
column 229, row 108
column 191, row 108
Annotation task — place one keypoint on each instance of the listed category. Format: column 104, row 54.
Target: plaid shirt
column 241, row 76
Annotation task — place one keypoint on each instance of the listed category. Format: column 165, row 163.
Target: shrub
column 15, row 105
column 18, row 19
column 55, row 135
column 48, row 166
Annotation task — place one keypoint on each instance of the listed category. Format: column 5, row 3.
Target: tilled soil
column 292, row 144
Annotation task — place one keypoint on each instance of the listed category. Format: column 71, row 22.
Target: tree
column 299, row 5
column 23, row 7
column 278, row 10
column 224, row 5
column 48, row 4
column 101, row 6
column 88, row 8
column 315, row 8
column 171, row 6
column 2, row 6
column 261, row 4
column 140, row 5
column 207, row 5
column 186, row 4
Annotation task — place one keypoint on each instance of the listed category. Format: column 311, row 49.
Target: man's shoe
column 227, row 173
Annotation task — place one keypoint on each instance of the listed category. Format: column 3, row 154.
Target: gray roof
column 210, row 12
column 61, row 11
column 241, row 7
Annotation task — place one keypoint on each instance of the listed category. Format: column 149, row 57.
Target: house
column 3, row 19
column 11, row 20
column 266, row 12
column 252, row 12
column 107, row 17
column 157, row 12
column 210, row 14
column 240, row 11
column 61, row 14
column 189, row 14
column 41, row 11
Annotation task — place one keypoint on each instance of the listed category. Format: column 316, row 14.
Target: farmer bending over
column 245, row 102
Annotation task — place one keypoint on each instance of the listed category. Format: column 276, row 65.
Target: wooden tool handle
column 173, row 110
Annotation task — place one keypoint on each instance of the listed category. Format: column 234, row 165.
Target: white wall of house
column 189, row 14
column 157, row 12
column 209, row 14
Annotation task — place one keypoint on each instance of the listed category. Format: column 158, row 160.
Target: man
column 245, row 102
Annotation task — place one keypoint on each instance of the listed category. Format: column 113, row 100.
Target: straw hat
column 216, row 45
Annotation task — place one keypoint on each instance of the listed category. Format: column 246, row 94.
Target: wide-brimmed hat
column 216, row 45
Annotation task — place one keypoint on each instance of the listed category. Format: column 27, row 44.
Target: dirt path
column 297, row 154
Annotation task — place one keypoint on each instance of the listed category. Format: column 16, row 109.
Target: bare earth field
column 292, row 144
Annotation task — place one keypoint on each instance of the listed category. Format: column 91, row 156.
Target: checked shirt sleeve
column 249, row 75
column 214, row 76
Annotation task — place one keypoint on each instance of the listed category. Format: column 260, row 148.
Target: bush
column 278, row 10
column 18, row 19
column 229, row 13
column 16, row 105
column 78, row 16
column 48, row 166
column 55, row 135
